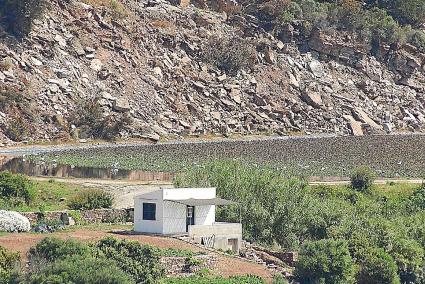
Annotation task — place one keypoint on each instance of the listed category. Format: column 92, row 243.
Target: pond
column 44, row 169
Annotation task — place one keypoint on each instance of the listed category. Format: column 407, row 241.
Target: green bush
column 141, row 262
column 52, row 249
column 417, row 199
column 91, row 199
column 378, row 267
column 17, row 15
column 8, row 262
column 362, row 179
column 325, row 261
column 418, row 40
column 15, row 188
column 409, row 257
column 81, row 270
column 279, row 279
column 406, row 11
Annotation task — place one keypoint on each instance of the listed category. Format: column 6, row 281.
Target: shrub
column 52, row 249
column 89, row 118
column 406, row 11
column 13, row 222
column 91, row 199
column 418, row 40
column 8, row 262
column 16, row 187
column 249, row 279
column 362, row 179
column 409, row 257
column 279, row 279
column 230, row 54
column 17, row 15
column 325, row 261
column 273, row 209
column 141, row 262
column 417, row 199
column 378, row 267
column 81, row 270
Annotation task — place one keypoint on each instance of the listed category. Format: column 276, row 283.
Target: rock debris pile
column 148, row 63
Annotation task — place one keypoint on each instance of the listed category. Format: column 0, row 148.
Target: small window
column 149, row 211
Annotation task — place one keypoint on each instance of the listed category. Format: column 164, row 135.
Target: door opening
column 190, row 216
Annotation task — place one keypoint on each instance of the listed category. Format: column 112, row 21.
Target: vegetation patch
column 21, row 194
column 91, row 199
column 215, row 280
column 339, row 231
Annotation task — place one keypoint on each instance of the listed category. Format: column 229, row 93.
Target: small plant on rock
column 230, row 54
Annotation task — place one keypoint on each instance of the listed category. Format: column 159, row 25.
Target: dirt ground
column 227, row 266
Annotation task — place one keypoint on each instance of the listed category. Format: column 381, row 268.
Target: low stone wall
column 176, row 266
column 83, row 216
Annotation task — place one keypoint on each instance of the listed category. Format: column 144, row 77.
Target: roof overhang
column 200, row 202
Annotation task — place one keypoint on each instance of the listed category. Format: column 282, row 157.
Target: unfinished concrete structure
column 189, row 212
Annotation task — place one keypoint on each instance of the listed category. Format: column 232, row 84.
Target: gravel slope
column 388, row 155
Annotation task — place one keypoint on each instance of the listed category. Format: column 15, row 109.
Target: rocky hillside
column 151, row 68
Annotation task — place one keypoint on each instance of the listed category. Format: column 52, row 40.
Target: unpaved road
column 226, row 266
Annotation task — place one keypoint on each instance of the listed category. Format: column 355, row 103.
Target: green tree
column 325, row 261
column 409, row 256
column 362, row 179
column 16, row 187
column 377, row 267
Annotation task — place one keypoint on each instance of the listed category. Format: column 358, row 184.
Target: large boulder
column 11, row 221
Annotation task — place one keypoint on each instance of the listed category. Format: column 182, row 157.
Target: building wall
column 186, row 193
column 219, row 234
column 171, row 216
column 148, row 226
column 174, row 218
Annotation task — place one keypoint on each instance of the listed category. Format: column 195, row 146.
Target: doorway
column 190, row 216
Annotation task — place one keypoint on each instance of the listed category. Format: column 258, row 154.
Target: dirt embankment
column 227, row 266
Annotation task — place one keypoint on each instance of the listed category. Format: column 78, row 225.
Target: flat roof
column 200, row 202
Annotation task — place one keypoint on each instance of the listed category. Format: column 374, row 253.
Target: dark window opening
column 149, row 211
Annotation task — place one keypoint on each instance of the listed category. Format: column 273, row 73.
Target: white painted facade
column 170, row 217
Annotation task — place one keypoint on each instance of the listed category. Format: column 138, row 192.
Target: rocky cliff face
column 146, row 63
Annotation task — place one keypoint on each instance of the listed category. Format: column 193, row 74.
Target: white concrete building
column 186, row 211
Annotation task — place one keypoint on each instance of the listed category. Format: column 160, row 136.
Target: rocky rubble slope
column 146, row 63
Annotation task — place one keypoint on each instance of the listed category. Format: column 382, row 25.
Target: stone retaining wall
column 184, row 265
column 83, row 216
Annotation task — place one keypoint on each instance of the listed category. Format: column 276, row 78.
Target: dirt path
column 227, row 266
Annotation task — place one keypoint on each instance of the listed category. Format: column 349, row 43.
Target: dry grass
column 117, row 8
